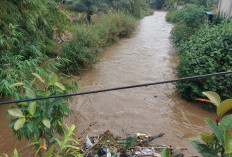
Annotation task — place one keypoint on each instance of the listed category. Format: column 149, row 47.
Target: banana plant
column 219, row 143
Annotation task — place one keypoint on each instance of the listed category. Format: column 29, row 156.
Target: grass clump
column 89, row 39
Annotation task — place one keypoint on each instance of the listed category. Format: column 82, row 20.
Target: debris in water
column 106, row 145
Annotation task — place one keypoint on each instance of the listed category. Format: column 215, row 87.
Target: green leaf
column 34, row 142
column 213, row 97
column 224, row 107
column 71, row 146
column 17, row 84
column 19, row 123
column 47, row 123
column 49, row 152
column 226, row 122
column 53, row 79
column 15, row 112
column 216, row 130
column 30, row 93
column 39, row 77
column 15, row 153
column 12, row 122
column 165, row 153
column 207, row 138
column 60, row 85
column 203, row 149
column 32, row 108
column 228, row 142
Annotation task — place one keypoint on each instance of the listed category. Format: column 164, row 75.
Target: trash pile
column 106, row 145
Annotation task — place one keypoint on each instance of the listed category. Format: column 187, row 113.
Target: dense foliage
column 189, row 19
column 88, row 39
column 208, row 51
column 26, row 34
column 206, row 3
column 203, row 48
column 137, row 8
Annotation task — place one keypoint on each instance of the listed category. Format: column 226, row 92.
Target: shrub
column 40, row 120
column 190, row 14
column 181, row 32
column 208, row 51
column 90, row 38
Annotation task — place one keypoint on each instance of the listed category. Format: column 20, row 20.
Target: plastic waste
column 89, row 144
column 142, row 136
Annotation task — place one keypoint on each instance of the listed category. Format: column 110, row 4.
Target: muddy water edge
column 147, row 56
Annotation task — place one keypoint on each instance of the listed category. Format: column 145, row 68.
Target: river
column 147, row 56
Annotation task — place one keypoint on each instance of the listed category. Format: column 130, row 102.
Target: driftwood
column 151, row 138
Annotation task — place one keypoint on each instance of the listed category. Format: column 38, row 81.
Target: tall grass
column 89, row 39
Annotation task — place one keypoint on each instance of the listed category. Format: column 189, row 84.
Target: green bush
column 188, row 20
column 208, row 51
column 181, row 32
column 190, row 14
column 90, row 38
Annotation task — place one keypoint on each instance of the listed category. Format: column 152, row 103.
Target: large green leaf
column 53, row 79
column 60, row 85
column 228, row 142
column 218, row 132
column 226, row 122
column 213, row 97
column 17, row 84
column 15, row 112
column 19, row 123
column 39, row 77
column 207, row 138
column 165, row 153
column 30, row 93
column 32, row 107
column 204, row 149
column 224, row 107
column 47, row 123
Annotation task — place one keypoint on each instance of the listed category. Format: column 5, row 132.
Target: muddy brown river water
column 147, row 56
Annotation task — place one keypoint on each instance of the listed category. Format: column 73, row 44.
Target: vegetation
column 204, row 46
column 26, row 34
column 40, row 120
column 210, row 4
column 136, row 8
column 208, row 51
column 32, row 47
column 28, row 29
column 88, row 40
column 220, row 141
column 189, row 19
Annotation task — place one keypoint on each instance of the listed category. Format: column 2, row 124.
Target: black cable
column 118, row 88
